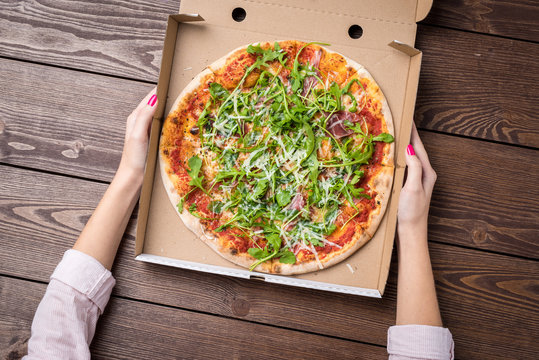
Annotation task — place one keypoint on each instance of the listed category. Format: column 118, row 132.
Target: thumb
column 415, row 170
column 144, row 118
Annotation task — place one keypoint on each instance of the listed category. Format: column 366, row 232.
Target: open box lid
column 194, row 41
column 381, row 20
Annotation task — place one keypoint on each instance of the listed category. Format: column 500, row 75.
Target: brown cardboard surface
column 194, row 44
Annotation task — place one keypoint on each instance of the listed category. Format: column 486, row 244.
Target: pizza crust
column 336, row 257
column 382, row 184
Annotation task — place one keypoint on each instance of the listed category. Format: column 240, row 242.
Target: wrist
column 412, row 234
column 127, row 182
column 127, row 175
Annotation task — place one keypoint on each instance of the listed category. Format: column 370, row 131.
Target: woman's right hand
column 415, row 195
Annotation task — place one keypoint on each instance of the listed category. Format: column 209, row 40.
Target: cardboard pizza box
column 377, row 34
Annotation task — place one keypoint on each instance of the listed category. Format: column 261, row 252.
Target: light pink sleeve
column 65, row 320
column 419, row 342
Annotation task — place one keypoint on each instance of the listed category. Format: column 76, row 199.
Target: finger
column 132, row 118
column 429, row 176
column 419, row 149
column 415, row 170
column 416, row 142
column 144, row 101
column 144, row 118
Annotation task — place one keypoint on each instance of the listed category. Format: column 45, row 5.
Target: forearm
column 102, row 234
column 416, row 293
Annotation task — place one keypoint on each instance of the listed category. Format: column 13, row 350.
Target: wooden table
column 72, row 71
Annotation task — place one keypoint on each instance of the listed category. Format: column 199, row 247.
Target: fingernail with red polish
column 410, row 150
column 152, row 100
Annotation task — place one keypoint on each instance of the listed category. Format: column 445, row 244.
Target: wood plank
column 110, row 37
column 518, row 19
column 486, row 195
column 478, row 86
column 166, row 333
column 486, row 299
column 64, row 121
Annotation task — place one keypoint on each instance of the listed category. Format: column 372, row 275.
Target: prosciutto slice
column 298, row 202
column 310, row 81
column 336, row 123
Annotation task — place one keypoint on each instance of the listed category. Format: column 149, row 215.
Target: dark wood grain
column 134, row 330
column 483, row 296
column 511, row 18
column 486, row 195
column 106, row 36
column 64, row 121
column 478, row 86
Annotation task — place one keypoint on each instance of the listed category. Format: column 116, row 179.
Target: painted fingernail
column 410, row 150
column 152, row 100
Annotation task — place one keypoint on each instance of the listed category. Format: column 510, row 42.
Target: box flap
column 366, row 24
column 390, row 11
column 423, row 8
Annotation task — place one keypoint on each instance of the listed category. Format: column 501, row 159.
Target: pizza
column 279, row 156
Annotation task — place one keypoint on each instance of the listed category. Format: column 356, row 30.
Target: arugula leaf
column 215, row 207
column 274, row 240
column 347, row 87
column 362, row 156
column 356, row 192
column 267, row 55
column 309, row 145
column 336, row 92
column 229, row 159
column 203, row 117
column 179, row 205
column 286, row 257
column 218, row 92
column 358, row 174
column 260, row 189
column 252, row 137
column 283, row 197
column 195, row 163
column 258, row 253
column 385, row 137
column 330, row 229
column 316, row 242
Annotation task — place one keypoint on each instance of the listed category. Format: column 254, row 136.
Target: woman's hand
column 102, row 234
column 136, row 138
column 416, row 193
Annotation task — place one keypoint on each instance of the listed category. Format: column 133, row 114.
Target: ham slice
column 310, row 81
column 298, row 202
column 336, row 123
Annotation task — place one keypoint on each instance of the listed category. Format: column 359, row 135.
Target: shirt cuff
column 86, row 275
column 420, row 342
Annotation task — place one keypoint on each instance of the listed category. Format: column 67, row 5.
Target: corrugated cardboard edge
column 412, row 83
column 154, row 259
column 164, row 79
